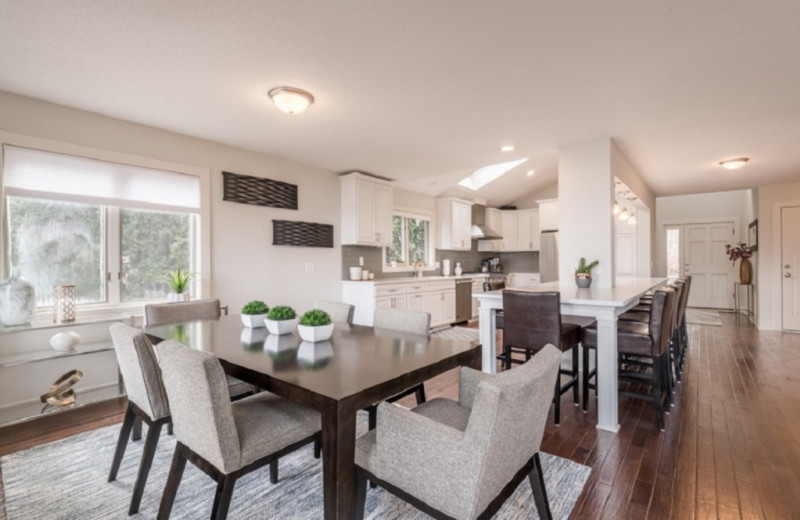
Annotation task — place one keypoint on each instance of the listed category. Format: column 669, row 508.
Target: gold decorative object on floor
column 61, row 392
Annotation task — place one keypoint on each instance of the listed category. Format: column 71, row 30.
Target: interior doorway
column 790, row 268
column 699, row 250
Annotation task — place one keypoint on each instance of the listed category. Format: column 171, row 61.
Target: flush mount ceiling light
column 507, row 148
column 530, row 173
column 291, row 100
column 734, row 164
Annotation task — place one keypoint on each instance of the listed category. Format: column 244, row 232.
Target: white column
column 488, row 337
column 607, row 381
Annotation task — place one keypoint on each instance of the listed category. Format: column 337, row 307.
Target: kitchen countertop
column 407, row 279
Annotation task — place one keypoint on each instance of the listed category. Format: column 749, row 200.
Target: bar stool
column 644, row 340
column 533, row 320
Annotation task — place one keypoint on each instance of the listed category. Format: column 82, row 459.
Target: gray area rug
column 67, row 480
column 458, row 333
column 703, row 317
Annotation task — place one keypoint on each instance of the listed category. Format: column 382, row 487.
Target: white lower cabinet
column 477, row 287
column 436, row 296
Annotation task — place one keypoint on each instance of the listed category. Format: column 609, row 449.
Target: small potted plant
column 254, row 313
column 178, row 281
column 281, row 319
column 583, row 274
column 315, row 325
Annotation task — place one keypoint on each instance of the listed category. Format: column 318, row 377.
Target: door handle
column 787, row 266
column 787, row 275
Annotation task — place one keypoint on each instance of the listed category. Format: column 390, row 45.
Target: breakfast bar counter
column 604, row 304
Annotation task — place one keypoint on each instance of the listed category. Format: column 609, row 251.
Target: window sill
column 405, row 269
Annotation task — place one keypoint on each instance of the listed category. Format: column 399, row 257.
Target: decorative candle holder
column 63, row 303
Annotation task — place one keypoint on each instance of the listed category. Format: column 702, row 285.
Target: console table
column 749, row 298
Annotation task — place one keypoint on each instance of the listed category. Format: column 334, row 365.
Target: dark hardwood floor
column 731, row 448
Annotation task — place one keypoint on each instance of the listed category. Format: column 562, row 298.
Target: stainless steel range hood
column 479, row 228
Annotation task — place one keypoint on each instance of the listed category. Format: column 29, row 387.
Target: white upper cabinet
column 510, row 226
column 527, row 230
column 367, row 205
column 454, row 224
column 548, row 214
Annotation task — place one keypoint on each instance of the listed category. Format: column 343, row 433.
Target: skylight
column 487, row 174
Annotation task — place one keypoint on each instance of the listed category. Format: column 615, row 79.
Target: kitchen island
column 602, row 304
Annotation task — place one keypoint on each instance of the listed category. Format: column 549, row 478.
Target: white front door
column 790, row 267
column 705, row 260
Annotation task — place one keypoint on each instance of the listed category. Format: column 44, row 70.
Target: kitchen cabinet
column 436, row 296
column 454, row 224
column 523, row 279
column 548, row 214
column 494, row 220
column 510, row 226
column 528, row 230
column 367, row 205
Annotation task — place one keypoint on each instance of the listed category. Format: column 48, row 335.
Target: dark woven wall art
column 258, row 191
column 308, row 234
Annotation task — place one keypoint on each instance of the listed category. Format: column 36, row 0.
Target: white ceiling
column 423, row 91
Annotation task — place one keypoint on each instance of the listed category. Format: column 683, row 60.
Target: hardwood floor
column 731, row 448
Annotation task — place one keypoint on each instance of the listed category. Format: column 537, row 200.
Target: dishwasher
column 463, row 299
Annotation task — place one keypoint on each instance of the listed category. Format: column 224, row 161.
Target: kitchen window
column 113, row 230
column 411, row 242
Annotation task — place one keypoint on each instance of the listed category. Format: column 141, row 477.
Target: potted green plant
column 583, row 274
column 253, row 314
column 315, row 325
column 281, row 319
column 178, row 281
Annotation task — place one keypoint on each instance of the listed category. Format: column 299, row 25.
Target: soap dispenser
column 458, row 270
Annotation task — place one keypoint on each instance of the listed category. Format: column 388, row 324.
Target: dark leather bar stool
column 533, row 320
column 644, row 340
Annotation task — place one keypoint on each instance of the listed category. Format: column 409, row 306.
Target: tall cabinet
column 367, row 205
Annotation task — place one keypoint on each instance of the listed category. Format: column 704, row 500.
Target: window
column 112, row 230
column 673, row 252
column 410, row 241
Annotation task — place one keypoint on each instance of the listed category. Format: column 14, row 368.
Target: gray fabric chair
column 147, row 402
column 417, row 323
column 225, row 440
column 177, row 312
column 463, row 459
column 339, row 311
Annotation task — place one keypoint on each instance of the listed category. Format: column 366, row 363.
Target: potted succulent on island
column 315, row 325
column 281, row 319
column 583, row 274
column 179, row 281
column 254, row 313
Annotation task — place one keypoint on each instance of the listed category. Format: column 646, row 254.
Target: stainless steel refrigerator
column 548, row 257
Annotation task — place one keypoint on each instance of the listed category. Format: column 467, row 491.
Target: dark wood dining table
column 357, row 367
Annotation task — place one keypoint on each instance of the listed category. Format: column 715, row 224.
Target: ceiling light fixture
column 507, row 148
column 617, row 209
column 291, row 100
column 734, row 164
column 530, row 173
column 623, row 215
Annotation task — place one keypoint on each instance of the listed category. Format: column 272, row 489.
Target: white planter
column 282, row 326
column 253, row 321
column 314, row 334
column 177, row 297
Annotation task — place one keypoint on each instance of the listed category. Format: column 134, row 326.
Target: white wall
column 585, row 199
column 244, row 263
column 702, row 207
column 768, row 279
column 405, row 199
column 529, row 199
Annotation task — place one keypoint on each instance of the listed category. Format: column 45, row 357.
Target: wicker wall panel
column 258, row 191
column 308, row 234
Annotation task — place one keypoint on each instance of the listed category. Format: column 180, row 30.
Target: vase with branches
column 743, row 252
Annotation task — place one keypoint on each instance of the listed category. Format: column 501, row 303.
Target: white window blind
column 39, row 174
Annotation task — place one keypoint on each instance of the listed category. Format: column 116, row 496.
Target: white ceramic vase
column 281, row 326
column 314, row 334
column 65, row 341
column 254, row 321
column 17, row 301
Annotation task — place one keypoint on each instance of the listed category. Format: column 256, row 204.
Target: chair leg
column 222, row 498
column 317, row 448
column 657, row 385
column 137, row 429
column 273, row 472
column 585, row 392
column 171, row 487
column 557, row 401
column 361, row 495
column 122, row 443
column 574, row 375
column 372, row 411
column 536, row 479
column 420, row 393
column 169, row 428
column 148, row 453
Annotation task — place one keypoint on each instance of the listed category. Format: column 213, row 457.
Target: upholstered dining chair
column 417, row 323
column 464, row 459
column 225, row 439
column 177, row 312
column 147, row 401
column 339, row 312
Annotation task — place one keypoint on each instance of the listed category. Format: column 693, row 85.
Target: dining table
column 604, row 304
column 357, row 367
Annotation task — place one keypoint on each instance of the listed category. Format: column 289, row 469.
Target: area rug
column 67, row 480
column 703, row 317
column 458, row 333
